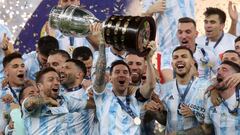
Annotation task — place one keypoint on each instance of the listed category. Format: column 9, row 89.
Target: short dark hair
column 216, row 11
column 232, row 51
column 63, row 53
column 83, row 52
column 235, row 66
column 79, row 64
column 43, row 72
column 119, row 62
column 187, row 20
column 183, row 48
column 7, row 59
column 237, row 39
column 46, row 44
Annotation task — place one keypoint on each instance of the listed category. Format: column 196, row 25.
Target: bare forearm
column 149, row 86
column 233, row 28
column 100, row 83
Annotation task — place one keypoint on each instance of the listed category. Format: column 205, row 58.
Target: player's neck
column 215, row 39
column 184, row 80
column 120, row 92
column 227, row 93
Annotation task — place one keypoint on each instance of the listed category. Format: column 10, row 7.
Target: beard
column 136, row 78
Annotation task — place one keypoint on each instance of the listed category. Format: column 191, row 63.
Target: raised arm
column 158, row 7
column 149, row 86
column 232, row 11
column 99, row 81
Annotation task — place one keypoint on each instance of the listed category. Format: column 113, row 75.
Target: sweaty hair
column 183, row 48
column 47, row 44
column 79, row 64
column 43, row 72
column 63, row 53
column 119, row 62
column 235, row 66
column 187, row 20
column 7, row 59
column 216, row 11
column 82, row 52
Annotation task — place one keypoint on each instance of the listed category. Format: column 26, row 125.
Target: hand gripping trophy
column 122, row 32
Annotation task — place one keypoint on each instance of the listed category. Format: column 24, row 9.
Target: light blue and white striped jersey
column 64, row 42
column 224, row 123
column 167, row 22
column 5, row 108
column 3, row 29
column 32, row 64
column 194, row 99
column 206, row 71
column 83, row 122
column 227, row 43
column 113, row 119
column 53, row 120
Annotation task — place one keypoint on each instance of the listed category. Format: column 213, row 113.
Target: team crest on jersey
column 171, row 97
column 214, row 110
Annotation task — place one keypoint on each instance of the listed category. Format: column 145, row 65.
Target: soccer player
column 48, row 113
column 15, row 73
column 118, row 109
column 184, row 96
column 205, row 56
column 36, row 60
column 223, row 119
column 215, row 37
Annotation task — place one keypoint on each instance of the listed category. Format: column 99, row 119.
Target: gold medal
column 137, row 121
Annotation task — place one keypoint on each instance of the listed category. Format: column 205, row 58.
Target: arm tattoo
column 99, row 83
column 32, row 103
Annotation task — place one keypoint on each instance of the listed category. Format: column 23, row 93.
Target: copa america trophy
column 122, row 32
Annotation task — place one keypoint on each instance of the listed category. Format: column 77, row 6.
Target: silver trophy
column 122, row 32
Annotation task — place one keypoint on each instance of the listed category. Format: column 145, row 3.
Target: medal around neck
column 137, row 121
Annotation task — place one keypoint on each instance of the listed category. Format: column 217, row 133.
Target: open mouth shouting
column 20, row 76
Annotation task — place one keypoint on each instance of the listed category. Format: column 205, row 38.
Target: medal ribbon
column 126, row 108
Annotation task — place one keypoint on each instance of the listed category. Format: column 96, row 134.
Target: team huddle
column 83, row 86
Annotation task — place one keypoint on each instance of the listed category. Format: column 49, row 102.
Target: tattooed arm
column 33, row 103
column 99, row 81
column 149, row 86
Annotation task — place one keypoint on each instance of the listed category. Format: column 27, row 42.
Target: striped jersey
column 47, row 120
column 113, row 119
column 227, row 43
column 194, row 100
column 32, row 64
column 224, row 122
column 5, row 108
column 167, row 22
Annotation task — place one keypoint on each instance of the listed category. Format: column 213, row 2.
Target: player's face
column 136, row 65
column 182, row 62
column 213, row 27
column 187, row 34
column 120, row 78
